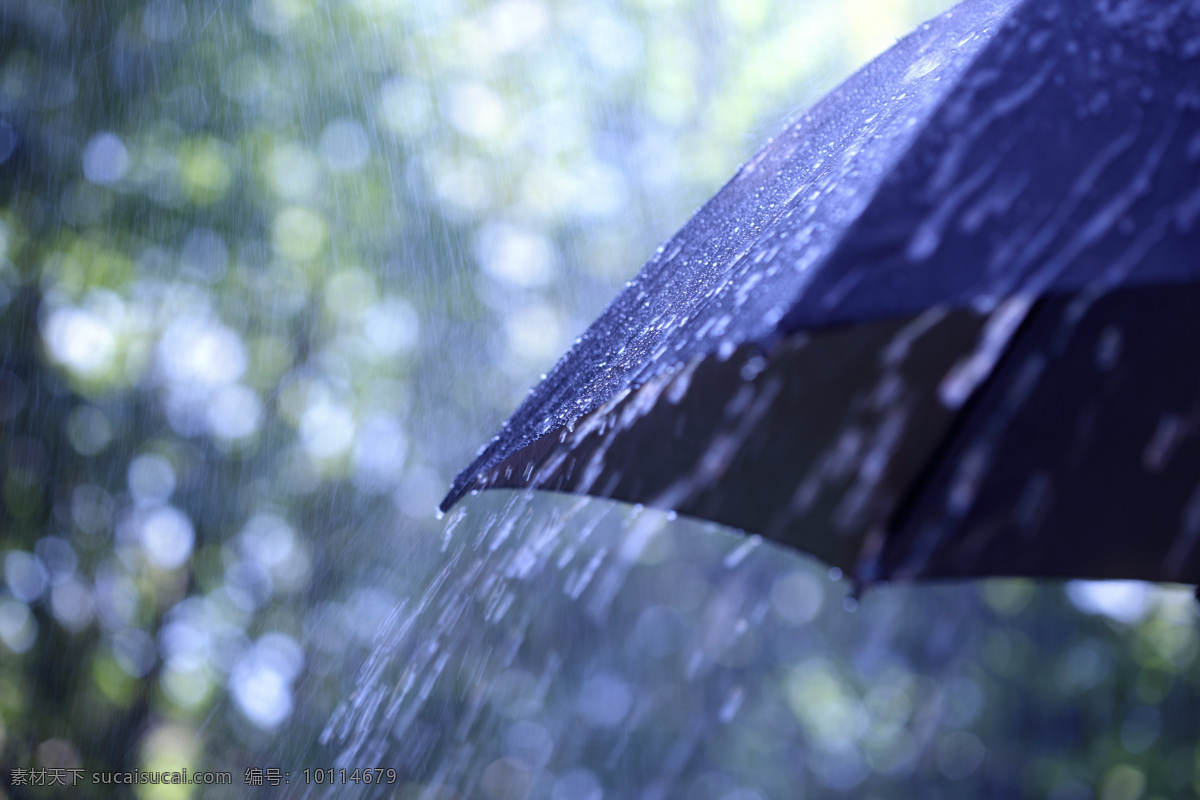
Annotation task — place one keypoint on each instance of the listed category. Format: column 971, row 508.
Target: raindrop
column 731, row 705
column 738, row 555
column 753, row 367
column 1034, row 502
column 1108, row 348
column 1167, row 436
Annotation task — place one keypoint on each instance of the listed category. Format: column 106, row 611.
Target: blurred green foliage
column 269, row 271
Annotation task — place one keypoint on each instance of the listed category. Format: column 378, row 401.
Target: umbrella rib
column 869, row 565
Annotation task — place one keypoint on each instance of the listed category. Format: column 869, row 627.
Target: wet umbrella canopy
column 944, row 325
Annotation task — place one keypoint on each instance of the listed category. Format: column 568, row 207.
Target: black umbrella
column 947, row 324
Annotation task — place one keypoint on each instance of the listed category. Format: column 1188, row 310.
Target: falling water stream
column 578, row 649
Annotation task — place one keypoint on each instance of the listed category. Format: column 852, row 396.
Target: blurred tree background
column 270, row 270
